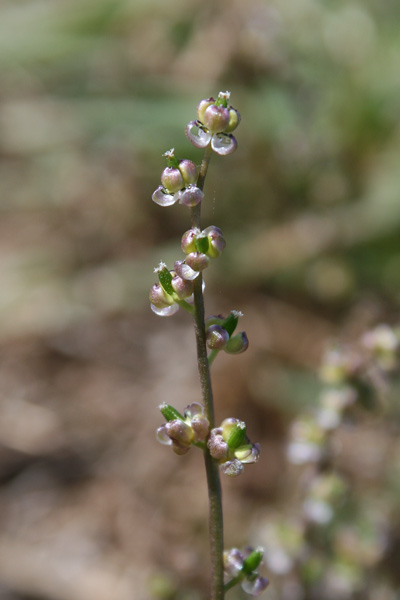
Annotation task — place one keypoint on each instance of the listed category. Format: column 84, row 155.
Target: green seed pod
column 238, row 343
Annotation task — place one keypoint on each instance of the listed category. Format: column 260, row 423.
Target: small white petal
column 254, row 588
column 223, row 143
column 162, row 197
column 196, row 135
column 168, row 311
column 163, row 437
column 232, row 468
column 184, row 271
column 191, row 196
column 193, row 409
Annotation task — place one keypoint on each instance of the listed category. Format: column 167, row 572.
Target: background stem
column 212, row 471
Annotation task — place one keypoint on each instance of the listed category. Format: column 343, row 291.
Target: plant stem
column 212, row 471
column 212, row 356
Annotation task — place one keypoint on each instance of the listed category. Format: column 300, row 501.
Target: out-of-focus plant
column 328, row 548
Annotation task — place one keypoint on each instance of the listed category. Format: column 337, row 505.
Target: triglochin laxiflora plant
column 226, row 448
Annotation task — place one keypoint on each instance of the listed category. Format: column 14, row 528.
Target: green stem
column 228, row 586
column 185, row 305
column 212, row 471
column 212, row 356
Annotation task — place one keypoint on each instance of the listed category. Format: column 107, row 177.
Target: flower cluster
column 178, row 183
column 181, row 431
column 216, row 120
column 230, row 446
column 171, row 292
column 243, row 567
column 199, row 247
column 219, row 331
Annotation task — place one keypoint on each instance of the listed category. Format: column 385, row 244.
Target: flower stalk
column 226, row 448
column 213, row 480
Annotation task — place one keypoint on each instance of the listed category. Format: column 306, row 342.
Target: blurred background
column 92, row 92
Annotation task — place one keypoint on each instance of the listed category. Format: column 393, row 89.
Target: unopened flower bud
column 217, row 337
column 202, row 106
column 184, row 271
column 234, row 120
column 183, row 288
column 216, row 242
column 219, row 449
column 191, row 196
column 159, row 298
column 201, row 428
column 216, row 118
column 188, row 242
column 172, row 180
column 197, row 261
column 188, row 171
column 180, row 431
column 238, row 343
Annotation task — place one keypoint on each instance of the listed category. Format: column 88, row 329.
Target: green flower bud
column 238, row 343
column 234, row 120
column 216, row 242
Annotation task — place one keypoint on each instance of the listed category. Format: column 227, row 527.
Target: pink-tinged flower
column 214, row 124
column 228, row 341
column 171, row 290
column 243, row 567
column 181, row 431
column 231, row 447
column 178, row 183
